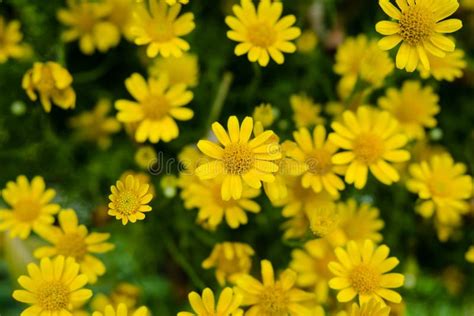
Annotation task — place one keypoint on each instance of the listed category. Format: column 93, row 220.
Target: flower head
column 446, row 68
column 158, row 104
column 419, row 25
column 173, row 2
column 265, row 114
column 307, row 41
column 470, row 254
column 227, row 305
column 122, row 310
column 361, row 270
column 161, row 28
column 371, row 308
column 370, row 138
column 145, row 156
column 123, row 293
column 10, row 41
column 31, row 207
column 305, row 112
column 55, row 287
column 184, row 69
column 73, row 240
column 129, row 200
column 261, row 32
column 52, row 82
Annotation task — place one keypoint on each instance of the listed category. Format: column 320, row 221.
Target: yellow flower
column 418, row 25
column 371, row 308
column 143, row 177
column 86, row 22
column 145, row 156
column 129, row 200
column 55, row 287
column 231, row 260
column 265, row 114
column 31, row 207
column 370, row 138
column 73, row 240
column 10, row 41
column 95, row 125
column 241, row 158
column 311, row 265
column 157, row 106
column 362, row 270
column 161, row 28
column 52, row 82
column 307, row 41
column 121, row 14
column 173, row 2
column 273, row 297
column 446, row 68
column 305, row 112
column 470, row 254
column 227, row 305
column 260, row 31
column 443, row 187
column 122, row 310
column 123, row 293
column 317, row 152
column 184, row 69
column 413, row 106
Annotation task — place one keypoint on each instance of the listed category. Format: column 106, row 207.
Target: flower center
column 410, row 112
column 364, row 279
column 368, row 148
column 416, row 25
column 156, row 107
column 323, row 221
column 46, row 83
column 86, row 18
column 238, row 158
column 439, row 186
column 319, row 161
column 53, row 296
column 274, row 300
column 27, row 210
column 127, row 202
column 161, row 31
column 261, row 34
column 72, row 245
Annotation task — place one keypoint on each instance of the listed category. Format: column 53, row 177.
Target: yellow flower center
column 274, row 300
column 27, row 210
column 261, row 34
column 238, row 158
column 156, row 107
column 416, row 25
column 364, row 279
column 319, row 161
column 440, row 186
column 86, row 18
column 53, row 296
column 161, row 31
column 368, row 148
column 46, row 82
column 127, row 202
column 72, row 245
column 323, row 221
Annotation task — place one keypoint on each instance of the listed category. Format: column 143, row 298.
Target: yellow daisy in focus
column 73, row 240
column 413, row 106
column 158, row 104
column 129, row 200
column 231, row 260
column 371, row 140
column 305, row 112
column 265, row 114
column 261, row 32
column 470, row 254
column 10, row 41
column 362, row 270
column 371, row 308
column 55, row 287
column 122, row 310
column 161, row 28
column 227, row 305
column 240, row 158
column 184, row 69
column 446, row 68
column 443, row 186
column 273, row 297
column 419, row 25
column 52, row 82
column 31, row 207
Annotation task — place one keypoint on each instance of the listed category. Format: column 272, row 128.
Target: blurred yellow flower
column 10, row 41
column 265, row 114
column 261, row 32
column 183, row 69
column 157, row 106
column 122, row 310
column 95, row 125
column 470, row 254
column 307, row 41
column 145, row 156
column 121, row 14
column 73, row 240
column 371, row 308
column 413, row 106
column 370, row 138
column 446, row 68
column 227, row 305
column 161, row 28
column 52, row 82
column 55, row 287
column 129, row 200
column 173, row 2
column 123, row 293
column 31, row 207
column 231, row 260
column 361, row 270
column 419, row 26
column 305, row 112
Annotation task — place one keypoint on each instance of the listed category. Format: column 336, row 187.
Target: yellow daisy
column 52, row 82
column 261, row 32
column 145, row 157
column 55, row 287
column 123, row 293
column 227, row 305
column 73, row 240
column 370, row 138
column 413, row 106
column 129, row 200
column 143, row 177
column 305, row 112
column 273, row 297
column 240, row 158
column 362, row 270
column 184, row 69
column 158, row 104
column 122, row 310
column 31, row 207
column 470, row 254
column 419, row 25
column 443, row 187
column 121, row 15
column 307, row 41
column 371, row 308
column 231, row 260
column 10, row 41
column 265, row 114
column 161, row 28
column 446, row 68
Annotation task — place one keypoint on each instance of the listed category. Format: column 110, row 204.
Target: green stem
column 220, row 98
